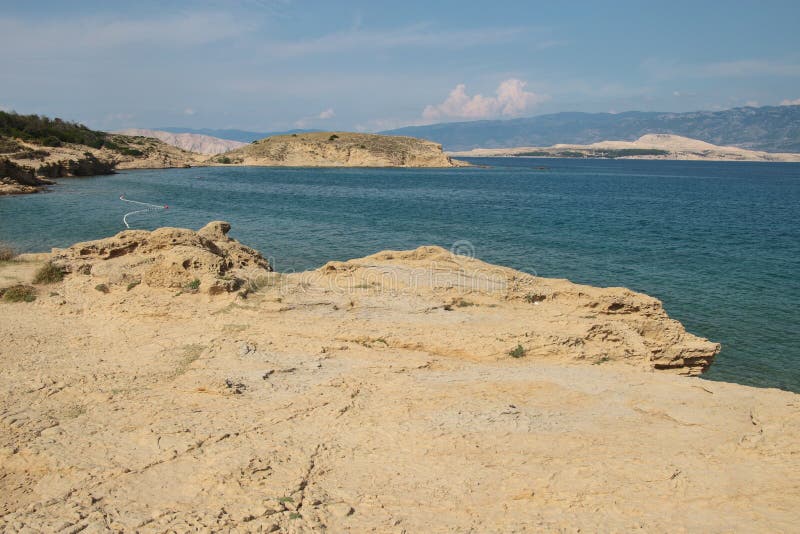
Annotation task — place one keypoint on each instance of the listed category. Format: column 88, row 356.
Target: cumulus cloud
column 787, row 102
column 510, row 100
column 322, row 116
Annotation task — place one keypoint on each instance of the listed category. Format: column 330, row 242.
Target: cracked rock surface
column 379, row 395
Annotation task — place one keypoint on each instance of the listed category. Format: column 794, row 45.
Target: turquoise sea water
column 719, row 243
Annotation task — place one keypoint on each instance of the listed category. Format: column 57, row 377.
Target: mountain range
column 768, row 128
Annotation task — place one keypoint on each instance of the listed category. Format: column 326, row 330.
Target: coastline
column 377, row 393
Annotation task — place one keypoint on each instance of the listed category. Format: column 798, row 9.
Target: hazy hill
column 770, row 128
column 243, row 136
column 650, row 146
column 202, row 144
column 339, row 149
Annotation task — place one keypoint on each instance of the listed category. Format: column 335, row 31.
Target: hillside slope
column 769, row 128
column 339, row 149
column 201, row 144
column 35, row 149
column 650, row 146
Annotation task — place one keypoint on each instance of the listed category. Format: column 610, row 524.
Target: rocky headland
column 339, row 149
column 170, row 380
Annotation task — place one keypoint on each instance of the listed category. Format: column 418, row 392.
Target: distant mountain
column 769, row 128
column 199, row 143
column 233, row 135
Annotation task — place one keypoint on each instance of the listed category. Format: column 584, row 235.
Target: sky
column 270, row 65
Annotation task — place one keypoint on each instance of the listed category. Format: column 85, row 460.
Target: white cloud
column 98, row 33
column 511, row 100
column 787, row 102
column 418, row 35
column 189, row 112
column 322, row 116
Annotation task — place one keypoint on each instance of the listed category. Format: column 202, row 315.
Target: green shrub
column 6, row 253
column 48, row 274
column 102, row 288
column 19, row 293
column 224, row 160
column 517, row 352
column 193, row 286
column 333, row 137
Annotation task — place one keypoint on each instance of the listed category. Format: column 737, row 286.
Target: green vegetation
column 9, row 146
column 18, row 293
column 102, row 288
column 48, row 274
column 133, row 284
column 532, row 298
column 6, row 253
column 49, row 132
column 333, row 137
column 517, row 352
column 225, row 160
column 193, row 286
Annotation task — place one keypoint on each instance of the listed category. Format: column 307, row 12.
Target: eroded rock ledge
column 205, row 260
column 470, row 309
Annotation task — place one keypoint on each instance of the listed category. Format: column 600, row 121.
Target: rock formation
column 206, row 260
column 339, row 149
column 408, row 391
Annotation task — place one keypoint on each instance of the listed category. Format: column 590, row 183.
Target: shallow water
column 719, row 243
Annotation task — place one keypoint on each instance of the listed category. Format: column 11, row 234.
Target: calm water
column 719, row 243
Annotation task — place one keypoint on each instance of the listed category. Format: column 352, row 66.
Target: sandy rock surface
column 376, row 395
column 205, row 260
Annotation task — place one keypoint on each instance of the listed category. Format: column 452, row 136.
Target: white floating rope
column 150, row 207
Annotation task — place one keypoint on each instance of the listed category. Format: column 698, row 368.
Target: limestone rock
column 340, row 149
column 207, row 260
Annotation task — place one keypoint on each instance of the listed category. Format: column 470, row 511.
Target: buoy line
column 150, row 207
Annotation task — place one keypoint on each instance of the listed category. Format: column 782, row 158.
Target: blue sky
column 270, row 65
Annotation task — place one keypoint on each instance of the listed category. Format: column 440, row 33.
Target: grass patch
column 76, row 410
column 295, row 515
column 6, row 253
column 102, row 288
column 49, row 273
column 517, row 352
column 18, row 293
column 133, row 284
column 190, row 355
column 193, row 286
column 285, row 499
column 462, row 303
column 235, row 327
column 601, row 360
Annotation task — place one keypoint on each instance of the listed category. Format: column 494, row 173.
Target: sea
column 717, row 242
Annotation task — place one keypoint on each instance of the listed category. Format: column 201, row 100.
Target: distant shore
column 651, row 146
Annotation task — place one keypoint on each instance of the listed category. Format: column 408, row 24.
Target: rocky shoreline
column 172, row 380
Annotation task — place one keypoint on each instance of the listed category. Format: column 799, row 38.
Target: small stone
column 341, row 509
column 246, row 348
